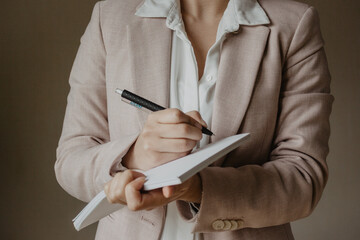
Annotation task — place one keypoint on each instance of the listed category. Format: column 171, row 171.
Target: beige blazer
column 273, row 83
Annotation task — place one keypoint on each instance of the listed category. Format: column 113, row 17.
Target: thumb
column 168, row 191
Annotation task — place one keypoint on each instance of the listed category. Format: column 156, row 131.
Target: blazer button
column 218, row 225
column 227, row 225
column 234, row 225
column 240, row 223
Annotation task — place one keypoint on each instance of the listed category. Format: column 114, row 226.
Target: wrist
column 128, row 158
column 193, row 191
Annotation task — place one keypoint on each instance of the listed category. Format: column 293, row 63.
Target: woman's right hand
column 167, row 135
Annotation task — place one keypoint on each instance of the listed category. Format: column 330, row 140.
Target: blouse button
column 208, row 78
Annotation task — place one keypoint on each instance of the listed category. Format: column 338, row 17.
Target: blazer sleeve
column 289, row 185
column 85, row 155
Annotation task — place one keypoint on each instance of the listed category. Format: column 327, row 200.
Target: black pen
column 142, row 103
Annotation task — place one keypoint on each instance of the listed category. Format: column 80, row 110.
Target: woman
column 233, row 66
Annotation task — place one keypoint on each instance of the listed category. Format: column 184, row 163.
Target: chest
column 202, row 36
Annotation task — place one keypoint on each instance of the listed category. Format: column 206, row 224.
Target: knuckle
column 196, row 114
column 176, row 113
column 128, row 174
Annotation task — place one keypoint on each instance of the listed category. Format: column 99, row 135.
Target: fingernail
column 204, row 123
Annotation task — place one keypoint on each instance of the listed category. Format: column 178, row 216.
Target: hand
column 167, row 135
column 125, row 188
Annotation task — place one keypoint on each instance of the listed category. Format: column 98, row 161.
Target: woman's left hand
column 125, row 188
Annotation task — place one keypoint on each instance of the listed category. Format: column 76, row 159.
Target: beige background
column 38, row 42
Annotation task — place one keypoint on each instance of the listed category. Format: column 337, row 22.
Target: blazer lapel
column 239, row 64
column 149, row 42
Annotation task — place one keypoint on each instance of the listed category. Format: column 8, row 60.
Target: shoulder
column 113, row 16
column 123, row 9
column 284, row 11
column 293, row 22
column 286, row 16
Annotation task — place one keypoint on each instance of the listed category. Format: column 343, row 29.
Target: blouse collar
column 238, row 12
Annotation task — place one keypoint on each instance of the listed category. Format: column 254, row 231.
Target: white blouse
column 187, row 91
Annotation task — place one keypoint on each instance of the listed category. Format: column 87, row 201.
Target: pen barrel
column 141, row 101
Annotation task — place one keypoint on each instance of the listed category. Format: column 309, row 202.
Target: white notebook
column 171, row 173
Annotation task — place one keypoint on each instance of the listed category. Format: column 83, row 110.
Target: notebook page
column 193, row 162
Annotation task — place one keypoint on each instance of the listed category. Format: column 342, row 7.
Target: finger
column 153, row 199
column 168, row 191
column 196, row 116
column 115, row 191
column 180, row 130
column 143, row 201
column 133, row 194
column 173, row 145
column 137, row 174
column 172, row 115
column 110, row 196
